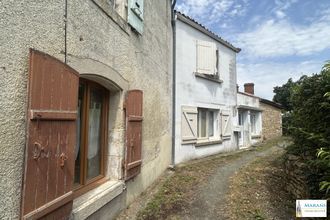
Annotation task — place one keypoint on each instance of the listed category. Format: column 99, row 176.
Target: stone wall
column 271, row 121
column 296, row 180
column 100, row 43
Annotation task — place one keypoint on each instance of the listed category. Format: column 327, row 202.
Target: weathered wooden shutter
column 206, row 57
column 226, row 124
column 135, row 14
column 133, row 111
column 51, row 138
column 189, row 124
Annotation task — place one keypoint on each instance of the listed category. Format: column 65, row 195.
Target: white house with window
column 249, row 117
column 205, row 94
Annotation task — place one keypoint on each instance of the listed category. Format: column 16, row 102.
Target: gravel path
column 211, row 197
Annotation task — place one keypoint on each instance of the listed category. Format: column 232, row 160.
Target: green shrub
column 309, row 125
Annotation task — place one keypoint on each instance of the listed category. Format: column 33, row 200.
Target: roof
column 265, row 101
column 274, row 104
column 247, row 94
column 193, row 23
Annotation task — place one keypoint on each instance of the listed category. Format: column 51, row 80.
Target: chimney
column 249, row 88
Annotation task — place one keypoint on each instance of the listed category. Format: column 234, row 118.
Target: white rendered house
column 206, row 115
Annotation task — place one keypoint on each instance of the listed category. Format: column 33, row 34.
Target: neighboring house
column 271, row 119
column 85, row 114
column 249, row 117
column 259, row 119
column 205, row 91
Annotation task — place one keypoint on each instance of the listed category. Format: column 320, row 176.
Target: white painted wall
column 247, row 100
column 199, row 92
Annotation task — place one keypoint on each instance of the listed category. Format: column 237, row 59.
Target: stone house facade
column 271, row 119
column 111, row 59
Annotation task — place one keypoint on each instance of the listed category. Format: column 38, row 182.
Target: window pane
column 253, row 123
column 94, row 134
column 203, row 123
column 79, row 124
column 211, row 124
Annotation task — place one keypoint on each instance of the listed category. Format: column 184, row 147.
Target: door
column 51, row 138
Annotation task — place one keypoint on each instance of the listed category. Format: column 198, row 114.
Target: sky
column 280, row 39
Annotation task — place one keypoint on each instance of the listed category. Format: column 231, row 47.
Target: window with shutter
column 206, row 58
column 135, row 14
column 189, row 125
column 133, row 111
column 208, row 129
column 51, row 138
column 226, row 124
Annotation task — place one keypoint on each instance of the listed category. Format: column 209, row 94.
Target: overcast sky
column 279, row 38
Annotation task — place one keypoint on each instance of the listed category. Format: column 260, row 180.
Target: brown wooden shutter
column 51, row 138
column 133, row 110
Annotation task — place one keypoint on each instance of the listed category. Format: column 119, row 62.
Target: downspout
column 173, row 81
column 65, row 30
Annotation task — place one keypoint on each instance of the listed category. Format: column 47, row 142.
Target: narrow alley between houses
column 248, row 184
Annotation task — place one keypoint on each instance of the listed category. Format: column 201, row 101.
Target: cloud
column 267, row 75
column 212, row 11
column 281, row 38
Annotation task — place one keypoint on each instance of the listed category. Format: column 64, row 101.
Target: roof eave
column 198, row 27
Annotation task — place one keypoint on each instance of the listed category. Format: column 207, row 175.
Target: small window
column 91, row 133
column 207, row 58
column 253, row 121
column 206, row 123
column 240, row 118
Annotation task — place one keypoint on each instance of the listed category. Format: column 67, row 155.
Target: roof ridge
column 215, row 35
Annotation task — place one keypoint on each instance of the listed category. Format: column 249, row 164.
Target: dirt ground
column 246, row 184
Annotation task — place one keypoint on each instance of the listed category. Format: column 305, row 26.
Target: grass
column 179, row 190
column 257, row 191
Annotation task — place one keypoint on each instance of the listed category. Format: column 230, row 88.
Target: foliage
column 283, row 94
column 324, row 158
column 308, row 123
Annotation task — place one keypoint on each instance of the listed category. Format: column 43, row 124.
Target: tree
column 283, row 94
column 310, row 127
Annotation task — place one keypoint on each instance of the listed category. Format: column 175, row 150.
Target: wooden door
column 51, row 138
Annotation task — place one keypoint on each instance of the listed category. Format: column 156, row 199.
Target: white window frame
column 215, row 135
column 255, row 122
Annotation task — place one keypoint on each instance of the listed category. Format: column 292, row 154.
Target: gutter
column 173, row 81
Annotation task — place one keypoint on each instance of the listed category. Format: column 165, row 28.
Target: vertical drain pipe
column 173, row 80
column 65, row 30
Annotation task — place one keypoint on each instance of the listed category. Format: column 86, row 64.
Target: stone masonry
column 271, row 121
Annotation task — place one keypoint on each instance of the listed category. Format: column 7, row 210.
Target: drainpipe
column 173, row 81
column 65, row 31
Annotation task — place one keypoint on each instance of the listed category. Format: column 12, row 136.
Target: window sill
column 207, row 142
column 111, row 13
column 255, row 136
column 207, row 77
column 93, row 200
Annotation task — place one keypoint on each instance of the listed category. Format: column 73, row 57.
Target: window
column 207, row 58
column 240, row 118
column 253, row 121
column 206, row 123
column 91, row 133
